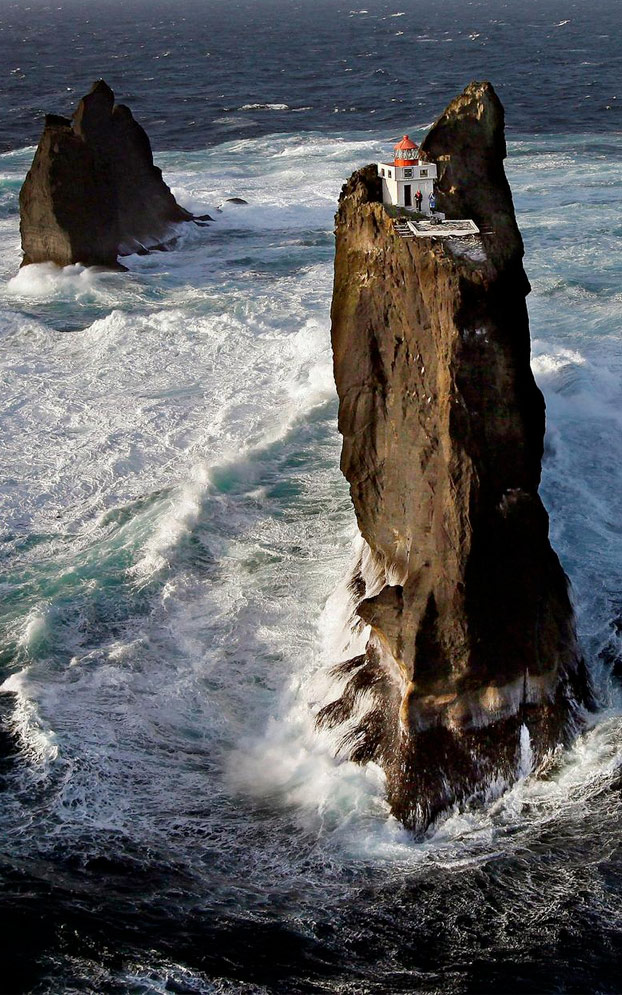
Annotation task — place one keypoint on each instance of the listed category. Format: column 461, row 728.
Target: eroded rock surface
column 472, row 670
column 93, row 193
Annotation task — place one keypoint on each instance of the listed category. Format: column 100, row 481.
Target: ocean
column 175, row 530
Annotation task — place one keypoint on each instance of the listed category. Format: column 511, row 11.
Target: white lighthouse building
column 406, row 177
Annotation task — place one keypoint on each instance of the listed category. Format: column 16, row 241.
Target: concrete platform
column 441, row 226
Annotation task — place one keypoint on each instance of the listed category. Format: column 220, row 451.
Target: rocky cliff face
column 93, row 192
column 472, row 671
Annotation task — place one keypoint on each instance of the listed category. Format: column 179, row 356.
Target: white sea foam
column 33, row 630
column 264, row 107
column 525, row 765
column 44, row 280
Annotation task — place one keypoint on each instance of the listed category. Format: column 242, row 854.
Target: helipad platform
column 434, row 227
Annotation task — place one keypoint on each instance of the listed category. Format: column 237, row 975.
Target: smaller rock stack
column 93, row 193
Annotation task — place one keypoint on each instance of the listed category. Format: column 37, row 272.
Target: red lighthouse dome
column 406, row 153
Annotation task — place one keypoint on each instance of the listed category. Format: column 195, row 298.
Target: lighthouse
column 406, row 176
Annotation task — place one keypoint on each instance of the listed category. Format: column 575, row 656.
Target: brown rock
column 93, row 192
column 472, row 631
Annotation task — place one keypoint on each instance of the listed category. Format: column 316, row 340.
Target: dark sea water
column 198, row 72
column 174, row 528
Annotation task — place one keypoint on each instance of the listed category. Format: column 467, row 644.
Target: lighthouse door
column 408, row 200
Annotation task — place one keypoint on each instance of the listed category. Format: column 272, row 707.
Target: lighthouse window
column 389, row 172
column 382, row 172
column 423, row 172
column 408, row 173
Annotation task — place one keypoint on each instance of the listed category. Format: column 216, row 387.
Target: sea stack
column 472, row 673
column 93, row 193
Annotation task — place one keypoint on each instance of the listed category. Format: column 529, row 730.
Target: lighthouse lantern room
column 407, row 177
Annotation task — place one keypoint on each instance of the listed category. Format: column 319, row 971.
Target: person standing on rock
column 418, row 199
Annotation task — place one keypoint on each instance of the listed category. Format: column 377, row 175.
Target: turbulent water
column 175, row 529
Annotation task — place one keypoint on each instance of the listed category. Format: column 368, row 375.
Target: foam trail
column 177, row 521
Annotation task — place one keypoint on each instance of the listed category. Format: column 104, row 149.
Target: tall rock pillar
column 472, row 668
